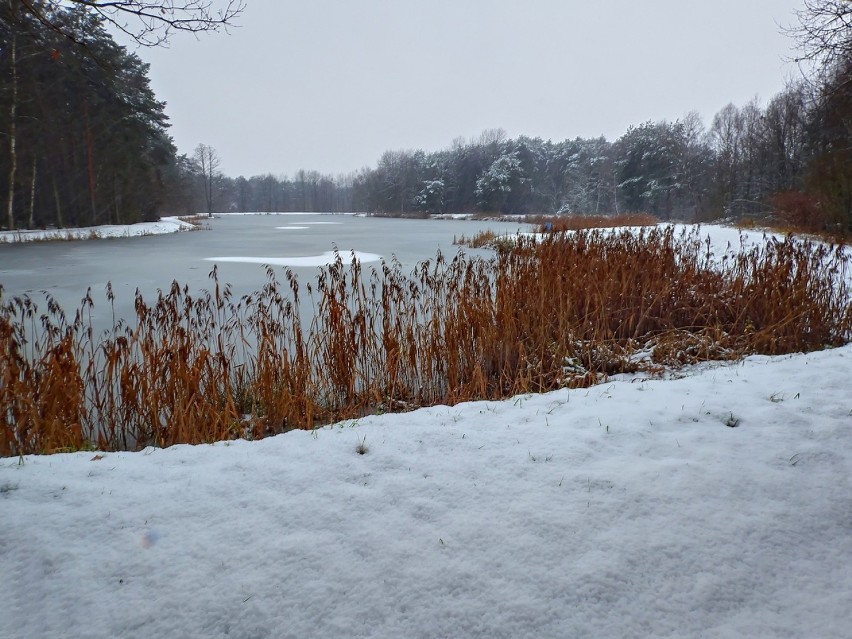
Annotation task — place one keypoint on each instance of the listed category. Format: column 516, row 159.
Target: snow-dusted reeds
column 565, row 310
column 556, row 223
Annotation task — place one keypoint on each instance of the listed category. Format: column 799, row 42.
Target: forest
column 85, row 142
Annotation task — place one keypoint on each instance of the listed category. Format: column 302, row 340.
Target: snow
column 307, row 225
column 724, row 241
column 626, row 509
column 297, row 213
column 453, row 216
column 723, row 238
column 309, row 260
column 163, row 226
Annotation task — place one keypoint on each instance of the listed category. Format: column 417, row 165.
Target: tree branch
column 149, row 23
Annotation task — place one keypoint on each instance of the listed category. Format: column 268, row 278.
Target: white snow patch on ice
column 352, row 213
column 310, row 260
column 456, row 216
column 292, row 228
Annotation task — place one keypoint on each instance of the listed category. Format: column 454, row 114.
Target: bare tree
column 207, row 160
column 824, row 32
column 149, row 22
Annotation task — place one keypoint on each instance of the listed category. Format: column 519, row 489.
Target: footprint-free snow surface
column 715, row 505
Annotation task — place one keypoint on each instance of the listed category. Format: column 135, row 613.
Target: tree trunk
column 209, row 192
column 90, row 163
column 58, row 200
column 31, row 222
column 13, row 113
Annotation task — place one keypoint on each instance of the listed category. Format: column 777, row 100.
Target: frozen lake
column 65, row 269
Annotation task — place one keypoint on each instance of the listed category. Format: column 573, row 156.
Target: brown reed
column 557, row 223
column 564, row 311
column 483, row 239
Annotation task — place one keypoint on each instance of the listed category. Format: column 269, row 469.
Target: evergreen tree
column 90, row 140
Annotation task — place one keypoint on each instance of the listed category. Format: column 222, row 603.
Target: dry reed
column 564, row 311
column 557, row 223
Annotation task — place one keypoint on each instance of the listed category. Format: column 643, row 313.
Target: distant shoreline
column 162, row 227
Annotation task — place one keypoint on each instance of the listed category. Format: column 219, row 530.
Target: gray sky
column 331, row 84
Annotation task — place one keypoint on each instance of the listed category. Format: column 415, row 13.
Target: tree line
column 84, row 137
column 750, row 160
column 85, row 142
column 791, row 158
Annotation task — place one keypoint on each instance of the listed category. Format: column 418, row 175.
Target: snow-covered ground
column 714, row 505
column 163, row 226
column 724, row 239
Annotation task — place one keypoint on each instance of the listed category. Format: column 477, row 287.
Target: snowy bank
column 715, row 505
column 163, row 226
column 720, row 239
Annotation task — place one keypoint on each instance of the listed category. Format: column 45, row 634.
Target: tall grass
column 557, row 223
column 564, row 311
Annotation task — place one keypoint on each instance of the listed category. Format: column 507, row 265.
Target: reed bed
column 564, row 311
column 482, row 239
column 558, row 223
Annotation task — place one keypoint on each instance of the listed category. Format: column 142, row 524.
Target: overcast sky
column 331, row 84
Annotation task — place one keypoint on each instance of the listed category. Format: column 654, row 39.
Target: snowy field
column 718, row 504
